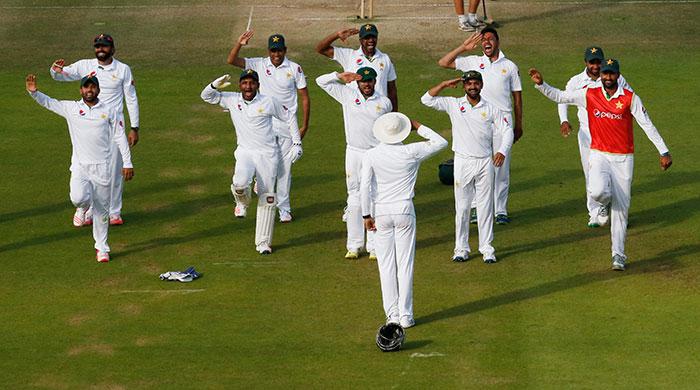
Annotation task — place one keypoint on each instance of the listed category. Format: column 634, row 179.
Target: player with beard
column 94, row 129
column 598, row 215
column 502, row 88
column 256, row 151
column 475, row 124
column 362, row 105
column 117, row 86
column 610, row 109
column 282, row 79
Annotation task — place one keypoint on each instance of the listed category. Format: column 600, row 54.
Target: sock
column 462, row 19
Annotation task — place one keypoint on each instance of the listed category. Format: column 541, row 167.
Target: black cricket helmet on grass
column 390, row 337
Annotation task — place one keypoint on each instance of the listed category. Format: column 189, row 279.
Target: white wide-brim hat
column 392, row 127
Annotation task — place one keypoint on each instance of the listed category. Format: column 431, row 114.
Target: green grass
column 550, row 314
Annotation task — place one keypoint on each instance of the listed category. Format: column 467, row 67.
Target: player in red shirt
column 610, row 111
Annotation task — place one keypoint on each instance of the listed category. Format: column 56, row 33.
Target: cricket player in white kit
column 116, row 86
column 256, row 153
column 94, row 128
column 475, row 123
column 362, row 105
column 389, row 173
column 502, row 88
column 611, row 109
column 598, row 215
column 282, row 79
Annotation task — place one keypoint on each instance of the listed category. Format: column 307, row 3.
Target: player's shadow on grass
column 161, row 242
column 663, row 262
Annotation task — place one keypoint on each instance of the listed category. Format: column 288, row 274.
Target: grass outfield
column 550, row 314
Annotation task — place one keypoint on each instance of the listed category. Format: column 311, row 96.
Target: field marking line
column 182, row 292
column 420, row 5
column 426, row 355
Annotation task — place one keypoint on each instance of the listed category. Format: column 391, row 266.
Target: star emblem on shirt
column 379, row 108
column 289, row 75
column 103, row 116
column 503, row 71
column 260, row 110
column 619, row 105
column 483, row 114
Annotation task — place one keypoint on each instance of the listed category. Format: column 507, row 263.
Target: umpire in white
column 388, row 174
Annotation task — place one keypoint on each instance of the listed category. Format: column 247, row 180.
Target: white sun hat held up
column 392, row 127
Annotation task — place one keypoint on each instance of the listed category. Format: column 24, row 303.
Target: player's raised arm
column 556, row 95
column 233, row 58
column 49, row 103
column 334, row 84
column 211, row 93
column 325, row 47
column 433, row 144
column 448, row 60
column 61, row 72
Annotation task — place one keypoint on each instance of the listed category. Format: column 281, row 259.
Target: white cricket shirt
column 473, row 128
column 501, row 78
column 393, row 168
column 359, row 113
column 281, row 82
column 116, row 84
column 92, row 129
column 253, row 119
column 353, row 59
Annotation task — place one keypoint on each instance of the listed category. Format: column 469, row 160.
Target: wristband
column 366, row 217
column 136, row 129
column 666, row 154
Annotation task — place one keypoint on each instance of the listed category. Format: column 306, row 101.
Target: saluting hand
column 349, row 77
column 30, row 82
column 57, row 65
column 415, row 124
column 452, row 83
column 345, row 34
column 245, row 37
column 536, row 76
column 472, row 42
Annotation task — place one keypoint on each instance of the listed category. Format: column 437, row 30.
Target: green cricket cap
column 471, row 75
column 276, row 42
column 367, row 73
column 368, row 30
column 249, row 73
column 593, row 53
column 610, row 65
column 89, row 79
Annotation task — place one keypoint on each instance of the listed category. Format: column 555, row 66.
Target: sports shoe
column 460, row 257
column 490, row 260
column 604, row 215
column 102, row 257
column 345, row 214
column 466, row 27
column 392, row 320
column 352, row 255
column 407, row 322
column 502, row 219
column 593, row 222
column 618, row 263
column 286, row 216
column 263, row 249
column 240, row 211
column 79, row 217
column 373, row 255
column 472, row 216
column 478, row 22
column 116, row 219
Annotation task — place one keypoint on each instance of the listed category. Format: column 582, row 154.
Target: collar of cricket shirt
column 269, row 64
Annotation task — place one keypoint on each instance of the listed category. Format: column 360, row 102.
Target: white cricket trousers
column 117, row 180
column 250, row 163
column 90, row 187
column 284, row 174
column 354, row 223
column 473, row 182
column 501, row 177
column 611, row 182
column 395, row 243
column 584, row 148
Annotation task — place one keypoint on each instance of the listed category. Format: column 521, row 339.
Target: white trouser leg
column 117, row 184
column 483, row 183
column 622, row 168
column 386, row 261
column 355, row 225
column 266, row 174
column 405, row 242
column 284, row 174
column 243, row 173
column 465, row 169
column 584, row 148
column 90, row 186
column 501, row 181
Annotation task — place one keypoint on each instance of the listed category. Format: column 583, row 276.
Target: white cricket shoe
column 264, row 249
column 286, row 216
column 466, row 27
column 618, row 263
column 604, row 215
column 115, row 219
column 352, row 255
column 240, row 211
column 373, row 255
column 102, row 257
column 407, row 322
column 82, row 217
column 593, row 222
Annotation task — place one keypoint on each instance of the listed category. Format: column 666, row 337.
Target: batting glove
column 222, row 82
column 296, row 152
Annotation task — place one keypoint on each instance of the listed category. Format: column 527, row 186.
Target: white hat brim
column 381, row 124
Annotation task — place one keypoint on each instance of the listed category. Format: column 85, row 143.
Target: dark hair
column 492, row 31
